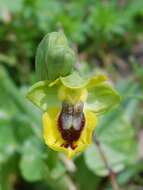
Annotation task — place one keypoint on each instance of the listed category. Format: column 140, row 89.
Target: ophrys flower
column 71, row 105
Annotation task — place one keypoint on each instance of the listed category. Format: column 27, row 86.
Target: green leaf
column 119, row 146
column 87, row 179
column 58, row 171
column 32, row 164
column 8, row 143
column 12, row 6
column 101, row 98
column 43, row 96
column 22, row 128
column 8, row 169
column 17, row 103
column 128, row 174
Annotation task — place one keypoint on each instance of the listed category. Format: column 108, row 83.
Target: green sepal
column 43, row 96
column 74, row 81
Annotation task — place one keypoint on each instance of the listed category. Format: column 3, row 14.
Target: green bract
column 100, row 94
column 54, row 57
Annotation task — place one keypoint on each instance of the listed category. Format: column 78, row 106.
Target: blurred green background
column 106, row 35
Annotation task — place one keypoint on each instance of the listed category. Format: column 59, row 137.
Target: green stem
column 112, row 175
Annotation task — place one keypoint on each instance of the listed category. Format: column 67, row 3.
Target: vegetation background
column 106, row 35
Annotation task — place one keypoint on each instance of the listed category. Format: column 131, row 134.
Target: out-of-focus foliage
column 117, row 136
column 107, row 35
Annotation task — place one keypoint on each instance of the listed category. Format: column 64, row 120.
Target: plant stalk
column 112, row 175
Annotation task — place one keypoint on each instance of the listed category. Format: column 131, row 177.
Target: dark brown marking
column 70, row 134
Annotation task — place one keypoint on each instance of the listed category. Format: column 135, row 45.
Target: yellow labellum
column 53, row 136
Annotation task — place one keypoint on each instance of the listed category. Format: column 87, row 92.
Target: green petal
column 101, row 98
column 43, row 95
column 96, row 80
column 74, row 81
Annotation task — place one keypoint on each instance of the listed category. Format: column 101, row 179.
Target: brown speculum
column 71, row 122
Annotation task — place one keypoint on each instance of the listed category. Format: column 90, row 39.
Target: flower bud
column 54, row 57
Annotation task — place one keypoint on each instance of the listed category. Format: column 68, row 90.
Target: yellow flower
column 71, row 105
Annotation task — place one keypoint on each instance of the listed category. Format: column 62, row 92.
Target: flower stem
column 112, row 175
